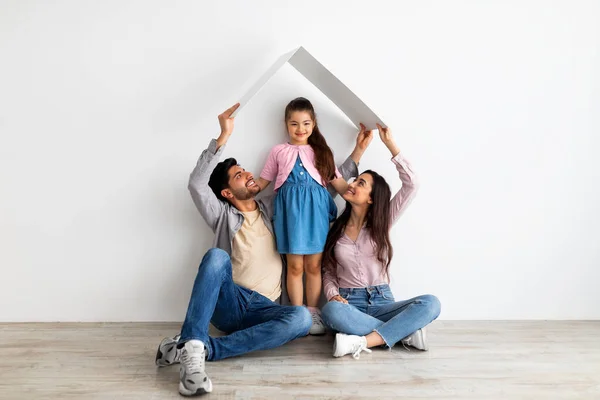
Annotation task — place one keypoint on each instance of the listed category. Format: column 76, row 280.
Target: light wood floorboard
column 467, row 360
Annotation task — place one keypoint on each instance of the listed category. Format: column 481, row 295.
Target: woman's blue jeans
column 374, row 309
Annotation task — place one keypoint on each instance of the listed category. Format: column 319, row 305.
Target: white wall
column 105, row 107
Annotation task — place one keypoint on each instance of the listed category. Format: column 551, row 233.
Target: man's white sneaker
column 349, row 344
column 317, row 327
column 168, row 353
column 193, row 381
column 417, row 339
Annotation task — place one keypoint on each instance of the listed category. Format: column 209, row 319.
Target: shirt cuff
column 331, row 293
column 212, row 147
column 397, row 158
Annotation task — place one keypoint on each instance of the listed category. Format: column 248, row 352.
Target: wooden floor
column 467, row 360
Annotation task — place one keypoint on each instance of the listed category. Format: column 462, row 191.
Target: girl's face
column 359, row 191
column 300, row 126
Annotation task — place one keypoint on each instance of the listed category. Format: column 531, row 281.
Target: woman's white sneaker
column 417, row 339
column 349, row 344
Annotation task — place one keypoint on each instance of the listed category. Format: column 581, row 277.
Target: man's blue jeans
column 373, row 309
column 251, row 321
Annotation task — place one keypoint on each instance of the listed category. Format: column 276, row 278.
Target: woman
column 356, row 263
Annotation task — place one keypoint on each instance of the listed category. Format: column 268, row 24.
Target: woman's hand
column 339, row 299
column 363, row 140
column 386, row 137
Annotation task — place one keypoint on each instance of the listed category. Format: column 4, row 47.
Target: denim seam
column 247, row 306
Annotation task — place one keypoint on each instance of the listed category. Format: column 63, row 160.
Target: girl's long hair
column 377, row 221
column 323, row 154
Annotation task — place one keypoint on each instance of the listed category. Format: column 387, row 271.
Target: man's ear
column 227, row 194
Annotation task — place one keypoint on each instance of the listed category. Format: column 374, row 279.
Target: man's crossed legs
column 251, row 321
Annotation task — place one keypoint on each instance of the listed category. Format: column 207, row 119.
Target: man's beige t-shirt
column 255, row 262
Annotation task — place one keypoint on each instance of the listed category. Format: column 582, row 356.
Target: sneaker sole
column 335, row 342
column 424, row 338
column 200, row 391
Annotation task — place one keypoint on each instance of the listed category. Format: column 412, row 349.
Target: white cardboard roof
column 354, row 108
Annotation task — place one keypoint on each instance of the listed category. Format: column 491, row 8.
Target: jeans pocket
column 387, row 294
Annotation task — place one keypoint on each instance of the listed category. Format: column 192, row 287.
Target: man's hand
column 339, row 299
column 226, row 123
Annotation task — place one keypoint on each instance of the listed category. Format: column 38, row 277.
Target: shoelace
column 358, row 348
column 194, row 362
column 316, row 319
column 407, row 342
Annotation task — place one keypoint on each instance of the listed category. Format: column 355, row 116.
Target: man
column 238, row 285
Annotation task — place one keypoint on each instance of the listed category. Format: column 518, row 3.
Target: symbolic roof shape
column 348, row 102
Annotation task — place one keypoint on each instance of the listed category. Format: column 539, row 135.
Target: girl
column 301, row 169
column 356, row 261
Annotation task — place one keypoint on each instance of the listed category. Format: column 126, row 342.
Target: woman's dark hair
column 323, row 154
column 378, row 222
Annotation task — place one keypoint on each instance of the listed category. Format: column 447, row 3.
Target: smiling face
column 241, row 184
column 359, row 191
column 300, row 125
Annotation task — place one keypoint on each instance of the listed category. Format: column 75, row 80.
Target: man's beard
column 245, row 193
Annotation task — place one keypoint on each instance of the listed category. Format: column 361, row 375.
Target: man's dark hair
column 219, row 179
